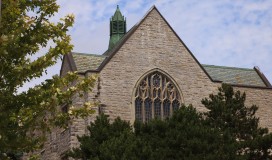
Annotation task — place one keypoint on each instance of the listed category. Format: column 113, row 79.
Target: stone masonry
column 153, row 46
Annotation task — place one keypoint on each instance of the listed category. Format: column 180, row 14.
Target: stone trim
column 262, row 76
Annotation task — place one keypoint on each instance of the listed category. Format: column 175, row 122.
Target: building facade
column 149, row 72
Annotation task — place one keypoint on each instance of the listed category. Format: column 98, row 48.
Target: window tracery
column 156, row 96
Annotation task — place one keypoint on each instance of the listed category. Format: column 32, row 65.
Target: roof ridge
column 88, row 54
column 229, row 67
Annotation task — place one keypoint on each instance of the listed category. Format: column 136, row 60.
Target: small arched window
column 156, row 96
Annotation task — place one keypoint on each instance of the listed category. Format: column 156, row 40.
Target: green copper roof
column 117, row 28
column 117, row 15
column 233, row 75
column 86, row 62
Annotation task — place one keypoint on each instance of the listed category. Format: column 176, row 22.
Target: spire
column 117, row 27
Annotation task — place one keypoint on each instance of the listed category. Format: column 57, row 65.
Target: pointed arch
column 159, row 94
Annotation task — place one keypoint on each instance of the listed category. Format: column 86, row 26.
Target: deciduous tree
column 25, row 28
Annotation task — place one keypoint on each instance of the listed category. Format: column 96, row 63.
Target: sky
column 236, row 33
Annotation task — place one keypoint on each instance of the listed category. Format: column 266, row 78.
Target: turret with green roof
column 117, row 27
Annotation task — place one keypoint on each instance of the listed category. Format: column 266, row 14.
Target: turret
column 117, row 27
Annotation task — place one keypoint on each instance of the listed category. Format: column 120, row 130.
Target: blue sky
column 235, row 33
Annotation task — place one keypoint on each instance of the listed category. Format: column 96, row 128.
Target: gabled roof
column 86, row 62
column 235, row 76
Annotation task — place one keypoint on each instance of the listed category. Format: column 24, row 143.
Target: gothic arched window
column 156, row 96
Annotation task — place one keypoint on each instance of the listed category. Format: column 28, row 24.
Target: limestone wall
column 153, row 45
column 263, row 99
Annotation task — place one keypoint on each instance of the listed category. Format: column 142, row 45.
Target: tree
column 183, row 136
column 229, row 130
column 228, row 113
column 105, row 138
column 25, row 27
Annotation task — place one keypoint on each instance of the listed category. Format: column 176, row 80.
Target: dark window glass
column 138, row 109
column 148, row 109
column 114, row 27
column 154, row 93
column 175, row 105
column 157, row 108
column 120, row 26
column 156, row 80
column 166, row 108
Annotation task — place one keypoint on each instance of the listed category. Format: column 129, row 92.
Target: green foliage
column 25, row 28
column 229, row 130
column 228, row 113
column 104, row 135
column 183, row 136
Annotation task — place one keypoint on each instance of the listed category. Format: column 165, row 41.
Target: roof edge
column 88, row 54
column 229, row 67
column 245, row 86
column 91, row 71
column 249, row 86
column 154, row 7
column 71, row 62
column 262, row 76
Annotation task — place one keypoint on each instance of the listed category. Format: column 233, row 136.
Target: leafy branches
column 26, row 27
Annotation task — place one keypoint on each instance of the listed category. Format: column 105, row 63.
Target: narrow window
column 138, row 109
column 175, row 105
column 166, row 108
column 148, row 109
column 114, row 27
column 157, row 108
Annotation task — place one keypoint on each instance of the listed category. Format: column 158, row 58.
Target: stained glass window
column 156, row 80
column 166, row 108
column 156, row 96
column 175, row 105
column 157, row 108
column 138, row 109
column 148, row 109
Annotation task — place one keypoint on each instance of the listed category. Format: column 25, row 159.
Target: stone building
column 148, row 72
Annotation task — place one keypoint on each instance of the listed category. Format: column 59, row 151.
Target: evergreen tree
column 229, row 114
column 183, row 136
column 105, row 140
